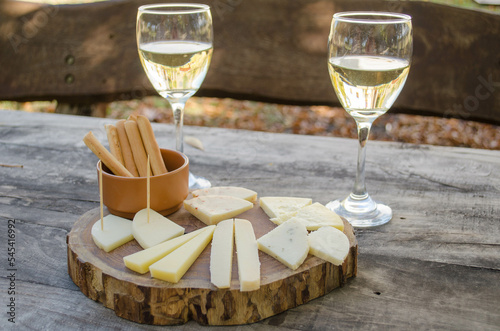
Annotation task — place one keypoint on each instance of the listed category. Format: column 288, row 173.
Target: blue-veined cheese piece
column 287, row 243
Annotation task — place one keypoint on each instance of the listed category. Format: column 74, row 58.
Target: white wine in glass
column 175, row 48
column 369, row 60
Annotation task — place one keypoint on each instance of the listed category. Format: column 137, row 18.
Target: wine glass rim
column 372, row 17
column 174, row 8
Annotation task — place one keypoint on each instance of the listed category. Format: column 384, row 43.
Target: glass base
column 361, row 212
column 197, row 182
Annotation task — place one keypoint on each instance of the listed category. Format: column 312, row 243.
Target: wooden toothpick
column 100, row 196
column 148, row 189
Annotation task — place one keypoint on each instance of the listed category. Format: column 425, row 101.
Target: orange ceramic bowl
column 125, row 196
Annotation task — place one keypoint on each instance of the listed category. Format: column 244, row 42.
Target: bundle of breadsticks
column 130, row 143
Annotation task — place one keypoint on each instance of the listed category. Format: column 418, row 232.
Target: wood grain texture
column 264, row 50
column 103, row 277
column 434, row 266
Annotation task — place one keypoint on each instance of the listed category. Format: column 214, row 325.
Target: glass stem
column 363, row 133
column 178, row 110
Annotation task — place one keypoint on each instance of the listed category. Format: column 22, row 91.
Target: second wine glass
column 175, row 47
column 369, row 61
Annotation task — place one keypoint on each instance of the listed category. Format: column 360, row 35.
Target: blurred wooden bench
column 269, row 50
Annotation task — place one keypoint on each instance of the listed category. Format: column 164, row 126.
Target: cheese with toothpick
column 329, row 244
column 212, row 209
column 247, row 255
column 221, row 256
column 117, row 231
column 287, row 243
column 140, row 261
column 313, row 217
column 157, row 230
column 173, row 266
column 232, row 191
column 276, row 206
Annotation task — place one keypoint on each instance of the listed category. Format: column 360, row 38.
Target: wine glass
column 175, row 48
column 369, row 55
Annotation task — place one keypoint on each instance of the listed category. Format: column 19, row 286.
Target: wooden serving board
column 103, row 277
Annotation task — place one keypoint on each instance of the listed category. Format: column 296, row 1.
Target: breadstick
column 128, row 158
column 138, row 151
column 114, row 142
column 151, row 145
column 105, row 156
column 132, row 117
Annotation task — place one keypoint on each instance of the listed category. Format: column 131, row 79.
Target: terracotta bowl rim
column 170, row 173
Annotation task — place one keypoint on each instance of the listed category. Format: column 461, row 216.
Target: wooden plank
column 264, row 50
column 434, row 264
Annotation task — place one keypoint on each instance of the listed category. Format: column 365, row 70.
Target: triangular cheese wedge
column 140, row 261
column 173, row 266
column 221, row 255
column 158, row 230
column 287, row 243
column 275, row 206
column 329, row 244
column 117, row 231
column 232, row 191
column 313, row 217
column 248, row 255
column 212, row 209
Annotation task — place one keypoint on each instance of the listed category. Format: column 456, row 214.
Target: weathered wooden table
column 436, row 265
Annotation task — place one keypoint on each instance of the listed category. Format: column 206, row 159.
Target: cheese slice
column 117, row 231
column 329, row 244
column 173, row 266
column 275, row 206
column 287, row 243
column 140, row 261
column 232, row 191
column 313, row 217
column 212, row 209
column 248, row 255
column 282, row 218
column 221, row 256
column 157, row 230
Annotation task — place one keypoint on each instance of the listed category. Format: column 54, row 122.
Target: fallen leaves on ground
column 314, row 120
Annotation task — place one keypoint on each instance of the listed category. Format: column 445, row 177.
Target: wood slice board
column 103, row 277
